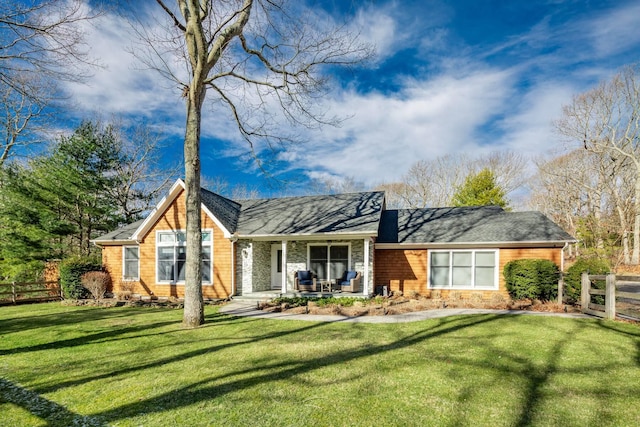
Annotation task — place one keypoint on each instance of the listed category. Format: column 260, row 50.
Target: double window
column 463, row 269
column 171, row 256
column 131, row 263
column 328, row 262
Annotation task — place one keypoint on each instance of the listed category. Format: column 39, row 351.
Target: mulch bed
column 400, row 305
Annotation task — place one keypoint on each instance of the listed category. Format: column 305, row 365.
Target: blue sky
column 449, row 77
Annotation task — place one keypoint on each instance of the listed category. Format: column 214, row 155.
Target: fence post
column 560, row 288
column 585, row 287
column 610, row 297
column 13, row 292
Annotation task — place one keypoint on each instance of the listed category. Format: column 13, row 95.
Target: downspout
column 233, row 240
column 566, row 245
column 365, row 287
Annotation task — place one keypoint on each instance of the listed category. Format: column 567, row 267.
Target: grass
column 63, row 366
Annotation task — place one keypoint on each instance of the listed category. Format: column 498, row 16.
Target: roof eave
column 114, row 242
column 311, row 236
column 466, row 245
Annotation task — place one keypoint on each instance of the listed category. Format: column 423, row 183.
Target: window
column 329, row 262
column 131, row 263
column 463, row 269
column 172, row 256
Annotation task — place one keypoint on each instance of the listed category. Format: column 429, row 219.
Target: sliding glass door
column 329, row 262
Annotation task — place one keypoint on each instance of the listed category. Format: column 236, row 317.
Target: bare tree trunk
column 635, row 256
column 282, row 70
column 193, row 301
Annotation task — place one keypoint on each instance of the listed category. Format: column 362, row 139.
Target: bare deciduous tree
column 432, row 183
column 140, row 178
column 590, row 197
column 606, row 120
column 261, row 59
column 40, row 45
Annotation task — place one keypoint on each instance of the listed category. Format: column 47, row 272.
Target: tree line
column 84, row 185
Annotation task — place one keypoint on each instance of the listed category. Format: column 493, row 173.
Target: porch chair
column 349, row 282
column 304, row 280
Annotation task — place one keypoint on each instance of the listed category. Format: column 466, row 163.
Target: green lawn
column 63, row 366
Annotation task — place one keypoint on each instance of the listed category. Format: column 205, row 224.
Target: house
column 256, row 247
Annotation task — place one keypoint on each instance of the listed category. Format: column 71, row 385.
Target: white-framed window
column 463, row 269
column 171, row 256
column 329, row 261
column 130, row 263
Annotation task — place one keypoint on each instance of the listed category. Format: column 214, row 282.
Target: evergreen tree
column 480, row 189
column 53, row 206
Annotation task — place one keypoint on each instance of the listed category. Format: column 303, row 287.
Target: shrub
column 292, row 301
column 532, row 278
column 96, row 282
column 573, row 276
column 71, row 271
column 30, row 271
column 342, row 301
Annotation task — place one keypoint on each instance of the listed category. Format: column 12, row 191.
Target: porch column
column 365, row 275
column 284, row 267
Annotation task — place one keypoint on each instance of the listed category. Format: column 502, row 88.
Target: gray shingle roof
column 123, row 233
column 355, row 213
column 340, row 213
column 483, row 224
column 225, row 210
column 361, row 213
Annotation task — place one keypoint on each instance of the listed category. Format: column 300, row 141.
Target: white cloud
column 617, row 31
column 120, row 85
column 377, row 28
column 388, row 133
column 529, row 128
column 428, row 116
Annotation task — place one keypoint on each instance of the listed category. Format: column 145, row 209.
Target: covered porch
column 272, row 294
column 267, row 268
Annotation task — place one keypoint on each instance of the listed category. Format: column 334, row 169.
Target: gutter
column 445, row 245
column 566, row 245
column 309, row 236
column 233, row 240
column 101, row 243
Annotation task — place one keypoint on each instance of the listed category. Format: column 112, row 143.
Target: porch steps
column 267, row 295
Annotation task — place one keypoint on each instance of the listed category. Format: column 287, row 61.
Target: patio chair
column 304, row 280
column 349, row 282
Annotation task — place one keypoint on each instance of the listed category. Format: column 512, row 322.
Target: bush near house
column 96, row 282
column 532, row 279
column 71, row 271
column 573, row 276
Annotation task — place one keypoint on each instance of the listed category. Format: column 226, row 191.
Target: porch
column 267, row 268
column 272, row 294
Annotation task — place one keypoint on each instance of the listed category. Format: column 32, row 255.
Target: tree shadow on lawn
column 44, row 409
column 158, row 363
column 534, row 374
column 62, row 318
column 106, row 335
column 103, row 336
column 198, row 392
column 514, row 367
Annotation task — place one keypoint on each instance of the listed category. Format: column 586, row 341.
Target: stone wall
column 261, row 272
column 244, row 267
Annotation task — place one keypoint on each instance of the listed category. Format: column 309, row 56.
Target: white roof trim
column 162, row 207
